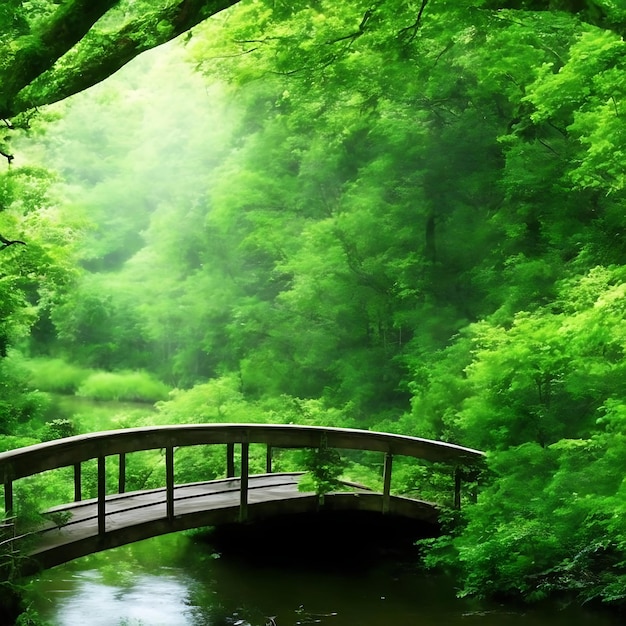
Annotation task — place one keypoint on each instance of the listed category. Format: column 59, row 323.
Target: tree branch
column 34, row 53
column 409, row 33
column 68, row 52
column 357, row 33
column 98, row 55
column 8, row 157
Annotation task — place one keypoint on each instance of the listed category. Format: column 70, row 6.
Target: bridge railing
column 73, row 451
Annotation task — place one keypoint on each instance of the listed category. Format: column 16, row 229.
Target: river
column 178, row 580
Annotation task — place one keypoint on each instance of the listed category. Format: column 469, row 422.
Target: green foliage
column 18, row 404
column 563, row 533
column 546, row 391
column 324, row 466
column 132, row 386
column 55, row 375
column 37, row 493
column 59, row 428
column 10, row 442
column 218, row 400
column 30, row 617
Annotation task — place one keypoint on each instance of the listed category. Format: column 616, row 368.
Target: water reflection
column 175, row 581
column 149, row 600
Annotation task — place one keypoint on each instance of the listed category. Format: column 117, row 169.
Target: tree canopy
column 51, row 49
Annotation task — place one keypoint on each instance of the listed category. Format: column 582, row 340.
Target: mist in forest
column 136, row 145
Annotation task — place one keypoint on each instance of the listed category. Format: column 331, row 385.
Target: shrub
column 55, row 375
column 126, row 385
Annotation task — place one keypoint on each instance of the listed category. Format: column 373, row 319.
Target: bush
column 324, row 467
column 127, row 385
column 55, row 375
column 58, row 429
column 552, row 521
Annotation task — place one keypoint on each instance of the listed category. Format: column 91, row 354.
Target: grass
column 132, row 386
column 54, row 375
column 60, row 377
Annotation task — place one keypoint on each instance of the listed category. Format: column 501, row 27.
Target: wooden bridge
column 111, row 520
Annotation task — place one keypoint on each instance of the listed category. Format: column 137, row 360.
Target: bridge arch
column 96, row 524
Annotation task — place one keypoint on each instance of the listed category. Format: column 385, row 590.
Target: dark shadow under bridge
column 113, row 519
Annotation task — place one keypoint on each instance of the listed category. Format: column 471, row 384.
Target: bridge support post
column 243, row 495
column 78, row 483
column 121, row 481
column 169, row 482
column 387, row 481
column 268, row 459
column 230, row 460
column 102, row 494
column 8, row 498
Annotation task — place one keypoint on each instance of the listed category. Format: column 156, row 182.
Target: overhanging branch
column 31, row 55
column 98, row 55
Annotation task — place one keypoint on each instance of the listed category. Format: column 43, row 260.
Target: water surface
column 176, row 581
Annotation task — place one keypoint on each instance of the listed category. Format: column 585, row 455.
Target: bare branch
column 231, row 56
column 357, row 33
column 8, row 157
column 408, row 34
column 9, row 242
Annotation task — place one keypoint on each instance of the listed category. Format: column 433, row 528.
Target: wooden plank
column 137, row 515
column 136, row 508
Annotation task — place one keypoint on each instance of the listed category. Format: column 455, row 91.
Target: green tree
column 545, row 393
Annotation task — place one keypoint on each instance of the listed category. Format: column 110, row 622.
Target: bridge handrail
column 34, row 459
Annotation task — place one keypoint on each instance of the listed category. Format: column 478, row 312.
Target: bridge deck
column 134, row 508
column 138, row 515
